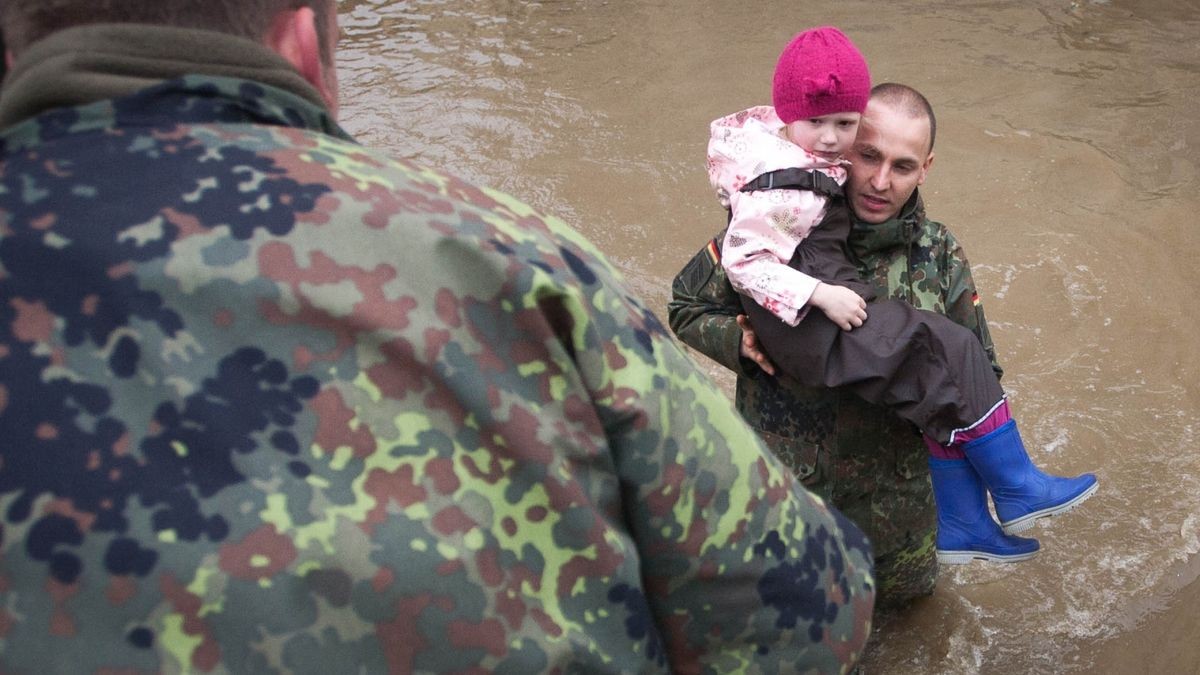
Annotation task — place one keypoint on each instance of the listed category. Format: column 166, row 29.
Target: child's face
column 827, row 136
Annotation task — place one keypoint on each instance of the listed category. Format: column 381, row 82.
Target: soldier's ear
column 925, row 168
column 293, row 35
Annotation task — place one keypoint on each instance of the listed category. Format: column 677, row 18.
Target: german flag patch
column 714, row 253
column 975, row 299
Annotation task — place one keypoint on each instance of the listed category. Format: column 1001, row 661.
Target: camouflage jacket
column 868, row 462
column 272, row 402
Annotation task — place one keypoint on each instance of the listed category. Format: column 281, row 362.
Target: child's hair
column 820, row 72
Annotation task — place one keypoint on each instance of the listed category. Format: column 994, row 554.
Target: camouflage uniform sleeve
column 743, row 569
column 963, row 304
column 675, row 527
column 704, row 307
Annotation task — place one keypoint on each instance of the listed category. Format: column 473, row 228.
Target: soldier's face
column 889, row 159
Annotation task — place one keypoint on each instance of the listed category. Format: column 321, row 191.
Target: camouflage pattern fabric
column 271, row 402
column 870, row 464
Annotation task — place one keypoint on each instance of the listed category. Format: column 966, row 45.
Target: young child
column 779, row 170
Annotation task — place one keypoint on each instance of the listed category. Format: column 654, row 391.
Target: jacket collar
column 867, row 239
column 86, row 64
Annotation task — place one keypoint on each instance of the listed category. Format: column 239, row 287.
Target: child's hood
column 749, row 143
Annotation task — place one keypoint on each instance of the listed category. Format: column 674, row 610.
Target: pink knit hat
column 820, row 72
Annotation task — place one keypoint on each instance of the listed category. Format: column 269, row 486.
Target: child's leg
column 994, row 420
column 939, row 451
column 998, row 417
column 923, row 366
column 1021, row 492
column 935, row 374
column 966, row 530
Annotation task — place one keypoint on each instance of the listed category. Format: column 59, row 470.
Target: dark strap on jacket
column 795, row 179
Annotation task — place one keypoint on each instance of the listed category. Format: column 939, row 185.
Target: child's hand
column 842, row 305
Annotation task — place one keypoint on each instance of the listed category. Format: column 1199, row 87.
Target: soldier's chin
column 873, row 210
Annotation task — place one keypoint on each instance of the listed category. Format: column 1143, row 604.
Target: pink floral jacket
column 767, row 225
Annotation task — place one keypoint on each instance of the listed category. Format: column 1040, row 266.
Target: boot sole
column 964, row 557
column 1027, row 521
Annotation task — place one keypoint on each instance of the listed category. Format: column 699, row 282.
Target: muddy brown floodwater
column 1066, row 162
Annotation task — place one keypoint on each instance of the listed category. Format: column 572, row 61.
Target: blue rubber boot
column 966, row 529
column 1020, row 491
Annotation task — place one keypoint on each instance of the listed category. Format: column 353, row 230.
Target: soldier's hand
column 750, row 347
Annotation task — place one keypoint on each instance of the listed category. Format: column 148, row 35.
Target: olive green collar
column 81, row 65
column 900, row 230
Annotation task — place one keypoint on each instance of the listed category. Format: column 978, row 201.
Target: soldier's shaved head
column 27, row 21
column 908, row 100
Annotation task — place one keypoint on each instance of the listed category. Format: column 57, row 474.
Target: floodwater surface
column 1066, row 163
